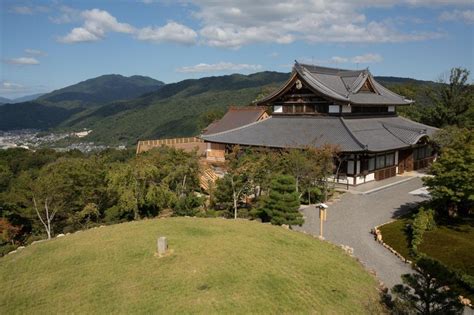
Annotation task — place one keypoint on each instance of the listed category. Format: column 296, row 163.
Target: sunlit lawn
column 216, row 266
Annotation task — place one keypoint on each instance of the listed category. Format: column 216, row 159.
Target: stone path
column 350, row 220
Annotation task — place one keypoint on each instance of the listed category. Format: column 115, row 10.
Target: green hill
column 215, row 266
column 100, row 90
column 174, row 109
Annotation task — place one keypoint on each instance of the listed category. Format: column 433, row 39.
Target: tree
column 8, row 231
column 237, row 175
column 297, row 164
column 282, row 204
column 453, row 102
column 422, row 293
column 137, row 187
column 311, row 168
column 451, row 185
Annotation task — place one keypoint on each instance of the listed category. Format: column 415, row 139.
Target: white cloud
column 25, row 10
column 35, row 52
column 77, row 35
column 67, row 15
column 29, row 10
column 367, row 58
column 9, row 86
column 23, row 61
column 96, row 24
column 337, row 59
column 219, row 67
column 458, row 15
column 233, row 24
column 171, row 32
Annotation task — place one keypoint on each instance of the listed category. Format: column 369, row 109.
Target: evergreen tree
column 422, row 293
column 282, row 204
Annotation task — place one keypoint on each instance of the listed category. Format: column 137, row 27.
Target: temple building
column 345, row 108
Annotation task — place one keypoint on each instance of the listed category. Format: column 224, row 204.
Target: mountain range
column 122, row 110
column 26, row 98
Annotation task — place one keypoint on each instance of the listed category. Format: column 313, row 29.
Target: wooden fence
column 186, row 144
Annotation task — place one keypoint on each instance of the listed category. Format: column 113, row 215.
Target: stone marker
column 162, row 245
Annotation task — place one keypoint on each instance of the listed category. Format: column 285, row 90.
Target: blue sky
column 47, row 45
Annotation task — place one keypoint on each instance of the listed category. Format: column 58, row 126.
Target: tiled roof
column 236, row 117
column 350, row 134
column 343, row 86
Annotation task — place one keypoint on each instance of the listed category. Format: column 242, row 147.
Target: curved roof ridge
column 362, row 145
column 383, row 89
column 317, row 84
column 328, row 69
column 277, row 91
column 359, row 82
column 403, row 127
column 394, row 134
column 417, row 123
column 234, row 129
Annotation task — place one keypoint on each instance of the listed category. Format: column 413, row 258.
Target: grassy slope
column 217, row 266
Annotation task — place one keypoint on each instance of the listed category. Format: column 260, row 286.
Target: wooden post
column 322, row 217
column 321, row 214
column 162, row 245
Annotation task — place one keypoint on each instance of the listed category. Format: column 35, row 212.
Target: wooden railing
column 145, row 145
column 385, row 172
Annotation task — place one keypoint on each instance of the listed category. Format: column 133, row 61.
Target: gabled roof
column 350, row 134
column 236, row 117
column 341, row 85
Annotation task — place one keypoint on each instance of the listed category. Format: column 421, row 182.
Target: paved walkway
column 350, row 220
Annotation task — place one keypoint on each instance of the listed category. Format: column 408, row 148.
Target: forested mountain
column 26, row 98
column 51, row 109
column 100, row 90
column 122, row 110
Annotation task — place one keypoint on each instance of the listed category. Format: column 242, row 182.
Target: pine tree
column 282, row 204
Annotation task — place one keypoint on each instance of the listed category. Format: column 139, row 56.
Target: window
column 309, row 109
column 390, row 159
column 372, row 163
column 422, row 152
column 288, row 109
column 299, row 108
column 369, row 109
column 380, row 161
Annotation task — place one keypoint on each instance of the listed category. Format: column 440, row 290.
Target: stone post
column 162, row 245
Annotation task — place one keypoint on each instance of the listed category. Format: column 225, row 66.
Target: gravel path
column 350, row 220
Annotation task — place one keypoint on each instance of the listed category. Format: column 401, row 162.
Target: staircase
column 208, row 175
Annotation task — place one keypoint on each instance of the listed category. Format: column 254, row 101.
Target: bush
column 187, row 205
column 423, row 221
column 5, row 249
column 312, row 195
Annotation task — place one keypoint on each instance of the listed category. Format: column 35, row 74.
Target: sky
column 46, row 45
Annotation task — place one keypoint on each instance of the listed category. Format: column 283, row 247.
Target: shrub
column 312, row 195
column 187, row 205
column 423, row 221
column 5, row 249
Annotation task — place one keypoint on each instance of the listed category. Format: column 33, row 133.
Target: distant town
column 32, row 139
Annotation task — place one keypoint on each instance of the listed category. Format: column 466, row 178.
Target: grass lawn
column 216, row 266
